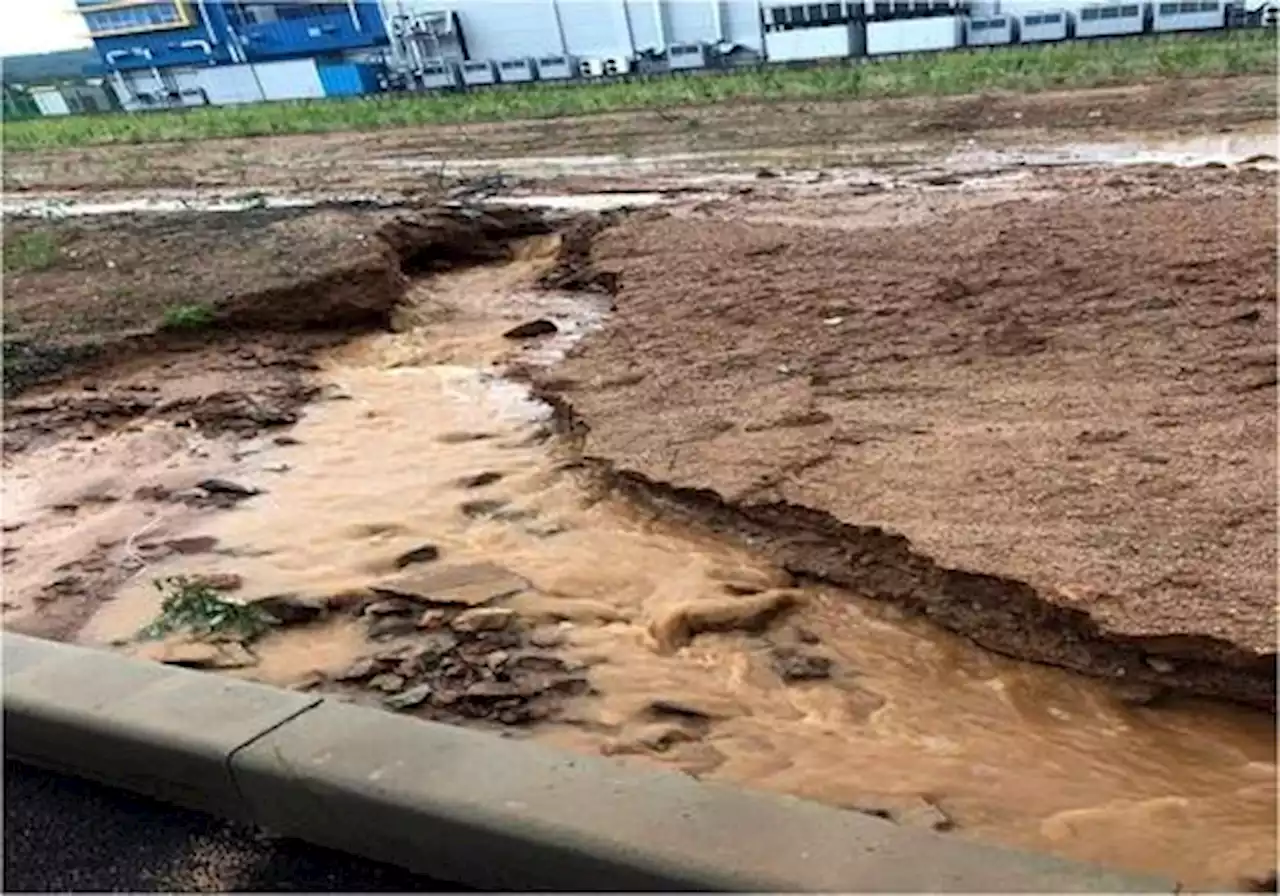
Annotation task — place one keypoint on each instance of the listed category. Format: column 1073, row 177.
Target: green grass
column 1016, row 69
column 187, row 317
column 192, row 607
column 36, row 250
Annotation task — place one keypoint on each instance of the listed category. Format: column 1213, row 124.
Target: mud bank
column 869, row 366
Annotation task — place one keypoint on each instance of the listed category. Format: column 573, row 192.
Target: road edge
column 465, row 806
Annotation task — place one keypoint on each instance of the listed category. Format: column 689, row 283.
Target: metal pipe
column 662, row 28
column 555, row 13
column 203, row 44
column 716, row 16
column 208, row 26
column 355, row 16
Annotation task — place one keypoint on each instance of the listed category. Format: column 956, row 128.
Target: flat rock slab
column 463, row 585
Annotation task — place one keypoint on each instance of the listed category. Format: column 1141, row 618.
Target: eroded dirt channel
column 432, row 541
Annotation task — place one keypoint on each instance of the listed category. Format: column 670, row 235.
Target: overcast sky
column 37, row 26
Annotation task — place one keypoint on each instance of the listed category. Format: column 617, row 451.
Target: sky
column 38, row 26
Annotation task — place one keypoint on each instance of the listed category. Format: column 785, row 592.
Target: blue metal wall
column 328, row 32
column 347, row 78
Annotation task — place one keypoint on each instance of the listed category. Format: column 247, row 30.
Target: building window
column 140, row 17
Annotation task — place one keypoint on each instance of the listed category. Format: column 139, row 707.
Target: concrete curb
column 465, row 806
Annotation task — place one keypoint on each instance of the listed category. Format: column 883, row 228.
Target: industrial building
column 172, row 53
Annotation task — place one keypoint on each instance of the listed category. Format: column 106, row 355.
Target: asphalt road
column 63, row 834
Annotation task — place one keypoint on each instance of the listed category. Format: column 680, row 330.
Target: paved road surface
column 63, row 834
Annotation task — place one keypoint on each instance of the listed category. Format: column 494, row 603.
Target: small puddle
column 900, row 716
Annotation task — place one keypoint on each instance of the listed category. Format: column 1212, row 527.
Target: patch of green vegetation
column 187, row 318
column 193, row 607
column 1025, row 69
column 35, row 250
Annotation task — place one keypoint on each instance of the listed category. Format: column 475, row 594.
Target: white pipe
column 208, row 26
column 355, row 16
column 719, row 22
column 202, row 44
column 662, row 29
column 555, row 12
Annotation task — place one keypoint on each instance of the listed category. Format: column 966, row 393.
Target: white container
column 515, row 71
column 824, row 42
column 990, row 31
column 1189, row 15
column 479, row 72
column 913, row 35
column 1041, row 26
column 291, row 79
column 1110, row 19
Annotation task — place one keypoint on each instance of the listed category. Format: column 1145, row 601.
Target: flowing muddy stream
column 831, row 697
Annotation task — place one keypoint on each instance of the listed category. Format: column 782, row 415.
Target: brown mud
column 1010, row 420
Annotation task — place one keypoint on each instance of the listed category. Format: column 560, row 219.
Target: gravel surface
column 66, row 835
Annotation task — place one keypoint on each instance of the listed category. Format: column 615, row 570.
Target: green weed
column 188, row 318
column 1023, row 69
column 33, row 251
column 192, row 607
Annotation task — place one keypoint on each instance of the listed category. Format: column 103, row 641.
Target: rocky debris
column 675, row 626
column 480, row 480
column 286, row 440
column 547, row 636
column 697, row 708
column 482, row 508
column 427, row 553
column 1137, row 693
column 383, row 627
column 433, row 618
column 1262, row 883
column 199, row 654
column 458, row 585
column 468, row 668
column 218, row 581
column 195, row 544
column 291, row 609
column 766, row 174
column 392, row 606
column 461, row 438
column 532, row 329
column 660, row 736
column 907, row 810
column 483, row 619
column 1161, row 665
column 793, row 664
column 227, row 487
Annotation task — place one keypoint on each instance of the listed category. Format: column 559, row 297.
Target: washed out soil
column 823, row 132
column 1047, row 421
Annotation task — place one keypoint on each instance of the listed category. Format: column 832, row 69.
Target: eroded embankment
column 795, row 402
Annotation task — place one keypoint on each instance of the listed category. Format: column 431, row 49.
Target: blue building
column 167, row 53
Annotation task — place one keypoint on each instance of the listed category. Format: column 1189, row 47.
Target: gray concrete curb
column 465, row 806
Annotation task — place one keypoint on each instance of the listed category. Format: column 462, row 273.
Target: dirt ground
column 1064, row 402
column 413, row 160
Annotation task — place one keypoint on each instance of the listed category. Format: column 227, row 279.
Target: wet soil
column 419, row 484
column 425, row 160
column 1047, row 423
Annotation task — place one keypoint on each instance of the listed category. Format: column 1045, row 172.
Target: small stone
column 276, row 468
column 201, row 655
column 391, row 626
column 766, row 174
column 482, row 508
column 692, row 708
column 359, row 670
column 387, row 681
column 196, row 544
column 284, row 441
column 227, row 487
column 1161, row 665
column 219, row 581
column 410, row 698
column 468, row 585
column 433, row 618
column 480, row 480
column 532, row 330
column 497, row 659
column 546, row 636
column 797, row 665
column 483, row 619
column 392, row 606
column 424, row 554
column 660, row 736
column 291, row 609
column 907, row 810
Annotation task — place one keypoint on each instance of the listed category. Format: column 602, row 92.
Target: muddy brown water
column 911, row 720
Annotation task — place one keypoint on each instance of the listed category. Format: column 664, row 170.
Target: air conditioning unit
column 591, row 68
column 617, row 65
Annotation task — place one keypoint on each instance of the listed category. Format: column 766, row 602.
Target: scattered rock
column 227, row 487
column 276, row 468
column 793, row 664
column 906, row 810
column 361, row 669
column 481, row 508
column 200, row 654
column 1136, row 693
column 414, row 696
column 532, row 329
column 352, row 600
column 219, row 581
column 480, row 480
column 391, row 606
column 660, row 736
column 388, row 682
column 766, row 174
column 291, row 609
column 458, row 438
column 196, row 544
column 483, row 619
column 698, row 708
column 424, row 554
column 434, row 618
column 467, row 585
column 547, row 636
column 1161, row 665
column 391, row 626
column 284, row 441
